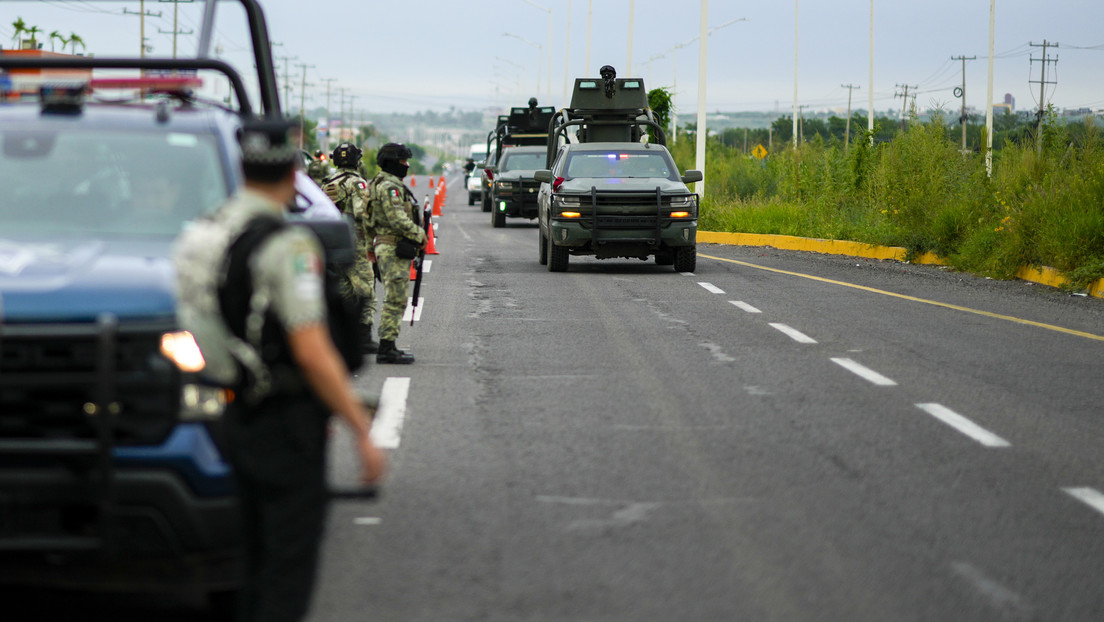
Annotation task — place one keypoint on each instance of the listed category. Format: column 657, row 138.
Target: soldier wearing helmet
column 349, row 191
column 318, row 169
column 394, row 219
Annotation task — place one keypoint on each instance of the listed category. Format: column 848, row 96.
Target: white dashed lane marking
column 412, row 311
column 712, row 288
column 745, row 306
column 1089, row 496
column 964, row 425
column 864, row 372
column 388, row 423
column 793, row 333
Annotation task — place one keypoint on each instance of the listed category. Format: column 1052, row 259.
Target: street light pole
column 540, row 53
column 795, row 76
column 548, row 41
column 567, row 54
column 702, row 132
column 632, row 12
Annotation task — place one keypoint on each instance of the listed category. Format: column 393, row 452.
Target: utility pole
column 303, row 102
column 142, row 15
column 801, row 125
column 329, row 117
column 1042, row 87
column 628, row 64
column 352, row 119
column 287, row 77
column 905, row 97
column 590, row 15
column 870, row 86
column 989, row 92
column 962, row 119
column 795, row 108
column 847, row 129
column 176, row 21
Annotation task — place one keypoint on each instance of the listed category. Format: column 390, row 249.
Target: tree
column 55, row 35
column 75, row 40
column 33, row 30
column 659, row 100
column 20, row 27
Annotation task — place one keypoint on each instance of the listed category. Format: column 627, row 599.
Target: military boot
column 388, row 353
column 367, row 344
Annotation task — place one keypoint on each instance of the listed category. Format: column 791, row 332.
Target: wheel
column 686, row 258
column 471, row 199
column 664, row 259
column 557, row 258
column 486, row 202
column 543, row 247
column 498, row 219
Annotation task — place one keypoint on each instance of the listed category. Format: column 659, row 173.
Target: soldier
column 349, row 191
column 276, row 438
column 318, row 170
column 394, row 221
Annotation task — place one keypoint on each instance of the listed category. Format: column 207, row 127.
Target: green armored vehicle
column 606, row 193
column 511, row 190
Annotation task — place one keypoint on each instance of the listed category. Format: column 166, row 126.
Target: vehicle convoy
column 112, row 471
column 608, row 194
column 509, row 186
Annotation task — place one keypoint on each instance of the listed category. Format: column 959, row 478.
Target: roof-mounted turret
column 523, row 126
column 605, row 109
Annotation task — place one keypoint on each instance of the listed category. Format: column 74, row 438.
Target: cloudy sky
column 472, row 54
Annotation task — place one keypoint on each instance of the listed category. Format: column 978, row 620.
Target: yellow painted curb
column 1043, row 276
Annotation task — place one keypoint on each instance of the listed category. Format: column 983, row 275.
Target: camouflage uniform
column 393, row 217
column 318, row 170
column 349, row 192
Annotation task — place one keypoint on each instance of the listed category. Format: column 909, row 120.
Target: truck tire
column 543, row 247
column 686, row 258
column 558, row 258
column 498, row 219
column 471, row 199
column 486, row 202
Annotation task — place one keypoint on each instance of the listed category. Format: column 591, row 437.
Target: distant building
column 1010, row 102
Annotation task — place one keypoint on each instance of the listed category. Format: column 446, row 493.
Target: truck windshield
column 619, row 164
column 106, row 182
column 522, row 162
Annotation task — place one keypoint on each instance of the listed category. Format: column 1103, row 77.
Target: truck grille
column 48, row 373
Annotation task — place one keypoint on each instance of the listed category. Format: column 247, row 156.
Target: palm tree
column 60, row 37
column 34, row 30
column 75, row 39
column 20, row 27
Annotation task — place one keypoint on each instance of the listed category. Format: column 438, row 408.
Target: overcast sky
column 424, row 54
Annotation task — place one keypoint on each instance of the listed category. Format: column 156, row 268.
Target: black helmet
column 532, row 102
column 607, row 72
column 347, row 155
column 393, row 152
column 317, row 153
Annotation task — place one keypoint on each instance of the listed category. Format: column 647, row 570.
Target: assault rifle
column 427, row 213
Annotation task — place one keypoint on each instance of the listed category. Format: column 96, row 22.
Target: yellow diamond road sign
column 759, row 152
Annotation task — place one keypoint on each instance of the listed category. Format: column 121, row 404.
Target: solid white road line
column 412, row 311
column 864, row 372
column 426, row 265
column 745, row 306
column 712, row 288
column 1090, row 496
column 367, row 520
column 792, row 333
column 1008, row 602
column 388, row 423
column 964, row 425
column 686, row 273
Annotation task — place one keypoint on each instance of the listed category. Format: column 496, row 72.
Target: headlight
column 182, row 349
column 505, row 185
column 567, row 201
column 199, row 402
column 683, row 201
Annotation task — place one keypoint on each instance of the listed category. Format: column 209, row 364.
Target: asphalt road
column 778, row 436
column 769, row 438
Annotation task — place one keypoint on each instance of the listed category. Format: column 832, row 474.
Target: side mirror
column 543, row 176
column 692, row 177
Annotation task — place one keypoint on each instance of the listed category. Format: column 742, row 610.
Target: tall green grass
column 1043, row 205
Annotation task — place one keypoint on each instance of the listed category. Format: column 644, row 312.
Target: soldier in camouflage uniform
column 318, row 170
column 394, row 217
column 277, row 442
column 349, row 191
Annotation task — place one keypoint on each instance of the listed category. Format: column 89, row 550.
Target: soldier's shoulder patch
column 361, row 185
column 394, row 192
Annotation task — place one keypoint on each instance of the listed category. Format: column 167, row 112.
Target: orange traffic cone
column 413, row 181
column 431, row 182
column 438, row 199
column 431, row 247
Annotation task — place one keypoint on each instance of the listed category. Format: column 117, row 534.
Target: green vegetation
column 1043, row 206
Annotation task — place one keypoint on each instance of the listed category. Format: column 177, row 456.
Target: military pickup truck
column 609, row 193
